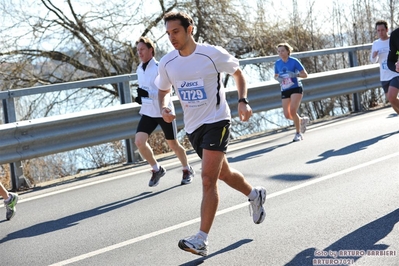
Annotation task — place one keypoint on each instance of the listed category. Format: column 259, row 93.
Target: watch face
column 243, row 100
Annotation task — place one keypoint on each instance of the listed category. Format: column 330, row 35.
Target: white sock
column 252, row 196
column 155, row 167
column 187, row 167
column 203, row 235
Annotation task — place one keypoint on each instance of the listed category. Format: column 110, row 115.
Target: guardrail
column 44, row 136
column 28, row 139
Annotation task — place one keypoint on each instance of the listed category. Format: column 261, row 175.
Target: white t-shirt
column 146, row 78
column 383, row 49
column 197, row 79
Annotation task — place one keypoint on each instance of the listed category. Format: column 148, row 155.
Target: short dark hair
column 184, row 18
column 381, row 22
column 148, row 42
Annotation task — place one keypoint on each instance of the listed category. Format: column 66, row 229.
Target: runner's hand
column 167, row 115
column 244, row 111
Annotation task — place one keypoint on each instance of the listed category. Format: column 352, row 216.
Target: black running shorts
column 287, row 93
column 148, row 124
column 385, row 85
column 394, row 82
column 213, row 137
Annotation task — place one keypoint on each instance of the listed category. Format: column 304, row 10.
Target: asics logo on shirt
column 188, row 84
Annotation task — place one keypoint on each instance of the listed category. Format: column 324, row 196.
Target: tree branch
column 155, row 22
column 54, row 55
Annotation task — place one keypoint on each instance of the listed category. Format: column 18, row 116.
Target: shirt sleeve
column 225, row 62
column 162, row 80
column 298, row 65
column 393, row 50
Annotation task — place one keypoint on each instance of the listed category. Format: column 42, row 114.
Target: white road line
column 233, row 208
column 80, row 186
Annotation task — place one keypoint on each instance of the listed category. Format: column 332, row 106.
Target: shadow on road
column 255, row 154
column 292, row 177
column 363, row 239
column 226, row 249
column 72, row 220
column 351, row 148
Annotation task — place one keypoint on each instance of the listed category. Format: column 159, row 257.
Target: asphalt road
column 333, row 199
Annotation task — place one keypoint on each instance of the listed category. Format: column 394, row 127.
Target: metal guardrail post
column 17, row 175
column 356, row 99
column 126, row 97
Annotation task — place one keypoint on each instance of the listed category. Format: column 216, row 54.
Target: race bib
column 287, row 82
column 192, row 93
column 383, row 53
column 384, row 65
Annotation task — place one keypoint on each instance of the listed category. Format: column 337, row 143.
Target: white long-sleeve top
column 382, row 46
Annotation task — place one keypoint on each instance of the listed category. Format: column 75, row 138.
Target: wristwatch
column 243, row 100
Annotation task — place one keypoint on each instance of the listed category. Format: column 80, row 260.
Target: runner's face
column 144, row 52
column 282, row 52
column 178, row 37
column 382, row 32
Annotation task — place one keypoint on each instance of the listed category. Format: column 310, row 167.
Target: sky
column 284, row 9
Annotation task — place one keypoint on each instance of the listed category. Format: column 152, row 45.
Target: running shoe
column 10, row 206
column 154, row 181
column 298, row 137
column 188, row 176
column 195, row 245
column 258, row 211
column 304, row 122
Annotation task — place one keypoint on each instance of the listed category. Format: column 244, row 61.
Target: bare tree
column 58, row 41
column 89, row 40
column 51, row 41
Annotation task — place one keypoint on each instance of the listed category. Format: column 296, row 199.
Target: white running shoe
column 258, row 211
column 304, row 122
column 298, row 137
column 195, row 245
